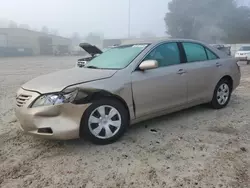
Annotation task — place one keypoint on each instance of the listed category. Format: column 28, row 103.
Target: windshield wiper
column 92, row 67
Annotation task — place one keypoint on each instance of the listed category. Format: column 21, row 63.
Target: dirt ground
column 194, row 148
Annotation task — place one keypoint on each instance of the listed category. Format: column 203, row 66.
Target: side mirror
column 148, row 64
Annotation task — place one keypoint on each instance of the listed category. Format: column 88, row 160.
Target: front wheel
column 222, row 94
column 105, row 121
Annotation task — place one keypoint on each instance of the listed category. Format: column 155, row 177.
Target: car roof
column 155, row 41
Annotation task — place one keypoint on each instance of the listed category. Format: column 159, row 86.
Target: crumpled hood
column 57, row 81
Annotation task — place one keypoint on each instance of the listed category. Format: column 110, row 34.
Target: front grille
column 22, row 99
column 81, row 63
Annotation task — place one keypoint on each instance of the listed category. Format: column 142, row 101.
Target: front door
column 161, row 88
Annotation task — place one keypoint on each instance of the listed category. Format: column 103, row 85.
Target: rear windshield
column 245, row 48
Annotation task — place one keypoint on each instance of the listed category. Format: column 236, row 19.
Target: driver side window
column 166, row 54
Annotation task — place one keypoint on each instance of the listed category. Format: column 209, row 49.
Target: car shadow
column 150, row 124
column 156, row 124
column 171, row 116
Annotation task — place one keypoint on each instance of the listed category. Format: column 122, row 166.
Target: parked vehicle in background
column 222, row 47
column 243, row 54
column 125, row 85
column 92, row 50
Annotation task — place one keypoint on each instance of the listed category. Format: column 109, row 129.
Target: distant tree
column 146, row 34
column 12, row 24
column 24, row 26
column 208, row 20
column 45, row 30
column 237, row 25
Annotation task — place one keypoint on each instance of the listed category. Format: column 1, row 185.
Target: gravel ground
column 195, row 148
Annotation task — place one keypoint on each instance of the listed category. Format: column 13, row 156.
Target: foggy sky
column 83, row 16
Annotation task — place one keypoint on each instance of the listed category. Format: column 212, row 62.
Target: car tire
column 104, row 121
column 248, row 62
column 222, row 94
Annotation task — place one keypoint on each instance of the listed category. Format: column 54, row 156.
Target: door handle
column 181, row 71
column 218, row 64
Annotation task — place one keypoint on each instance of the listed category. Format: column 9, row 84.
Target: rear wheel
column 222, row 94
column 105, row 121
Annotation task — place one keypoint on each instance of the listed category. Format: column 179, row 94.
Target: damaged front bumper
column 61, row 122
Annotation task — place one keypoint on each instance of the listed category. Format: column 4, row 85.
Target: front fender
column 90, row 91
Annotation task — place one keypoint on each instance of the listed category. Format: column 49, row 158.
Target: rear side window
column 211, row 55
column 194, row 52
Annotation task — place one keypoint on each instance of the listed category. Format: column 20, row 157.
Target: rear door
column 203, row 70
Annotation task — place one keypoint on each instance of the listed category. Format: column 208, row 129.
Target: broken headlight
column 55, row 99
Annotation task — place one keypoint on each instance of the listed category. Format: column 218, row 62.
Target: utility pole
column 129, row 3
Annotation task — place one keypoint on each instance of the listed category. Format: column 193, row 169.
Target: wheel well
column 229, row 78
column 115, row 97
column 104, row 94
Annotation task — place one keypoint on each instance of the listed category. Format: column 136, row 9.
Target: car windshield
column 245, row 48
column 117, row 58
